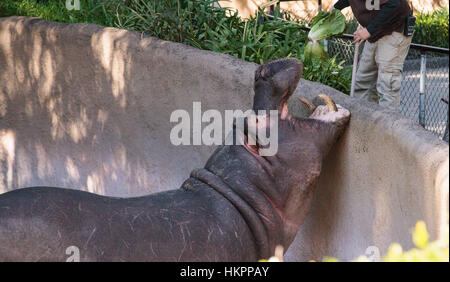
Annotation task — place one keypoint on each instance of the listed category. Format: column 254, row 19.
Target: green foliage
column 201, row 25
column 92, row 11
column 352, row 26
column 425, row 251
column 198, row 24
column 420, row 235
column 318, row 17
column 258, row 39
column 330, row 72
column 326, row 24
column 314, row 49
column 323, row 25
column 432, row 28
column 317, row 63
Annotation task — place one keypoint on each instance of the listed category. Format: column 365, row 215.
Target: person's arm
column 386, row 14
column 341, row 4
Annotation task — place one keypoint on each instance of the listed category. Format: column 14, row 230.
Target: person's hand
column 360, row 35
column 331, row 9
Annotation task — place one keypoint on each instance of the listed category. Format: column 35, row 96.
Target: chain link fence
column 426, row 103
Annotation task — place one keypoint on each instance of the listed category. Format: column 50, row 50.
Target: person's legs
column 390, row 56
column 367, row 73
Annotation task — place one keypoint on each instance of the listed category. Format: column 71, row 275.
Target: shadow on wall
column 49, row 122
column 83, row 121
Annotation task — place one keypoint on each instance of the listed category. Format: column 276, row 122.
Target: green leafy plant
column 323, row 25
column 330, row 72
column 432, row 28
column 425, row 251
column 199, row 24
column 314, row 49
column 321, row 15
column 258, row 39
column 326, row 24
column 92, row 11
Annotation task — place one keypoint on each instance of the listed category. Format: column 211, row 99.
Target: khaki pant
column 379, row 75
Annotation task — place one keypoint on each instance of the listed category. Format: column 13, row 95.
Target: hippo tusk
column 285, row 112
column 308, row 104
column 329, row 102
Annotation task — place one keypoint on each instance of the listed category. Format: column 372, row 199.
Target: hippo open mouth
column 329, row 113
column 275, row 82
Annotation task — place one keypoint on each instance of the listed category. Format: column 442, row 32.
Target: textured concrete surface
column 87, row 107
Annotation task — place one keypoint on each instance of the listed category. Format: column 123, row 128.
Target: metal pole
column 355, row 65
column 422, row 89
column 445, row 137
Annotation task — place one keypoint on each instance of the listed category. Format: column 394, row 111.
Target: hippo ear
column 259, row 72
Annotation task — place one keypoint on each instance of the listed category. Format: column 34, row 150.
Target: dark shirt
column 386, row 14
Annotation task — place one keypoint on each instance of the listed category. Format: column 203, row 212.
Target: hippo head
column 275, row 82
column 279, row 187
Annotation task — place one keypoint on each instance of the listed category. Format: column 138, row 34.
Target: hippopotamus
column 239, row 207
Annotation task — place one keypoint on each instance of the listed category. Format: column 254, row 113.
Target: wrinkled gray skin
column 238, row 208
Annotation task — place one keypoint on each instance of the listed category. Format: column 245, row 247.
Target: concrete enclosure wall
column 88, row 108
